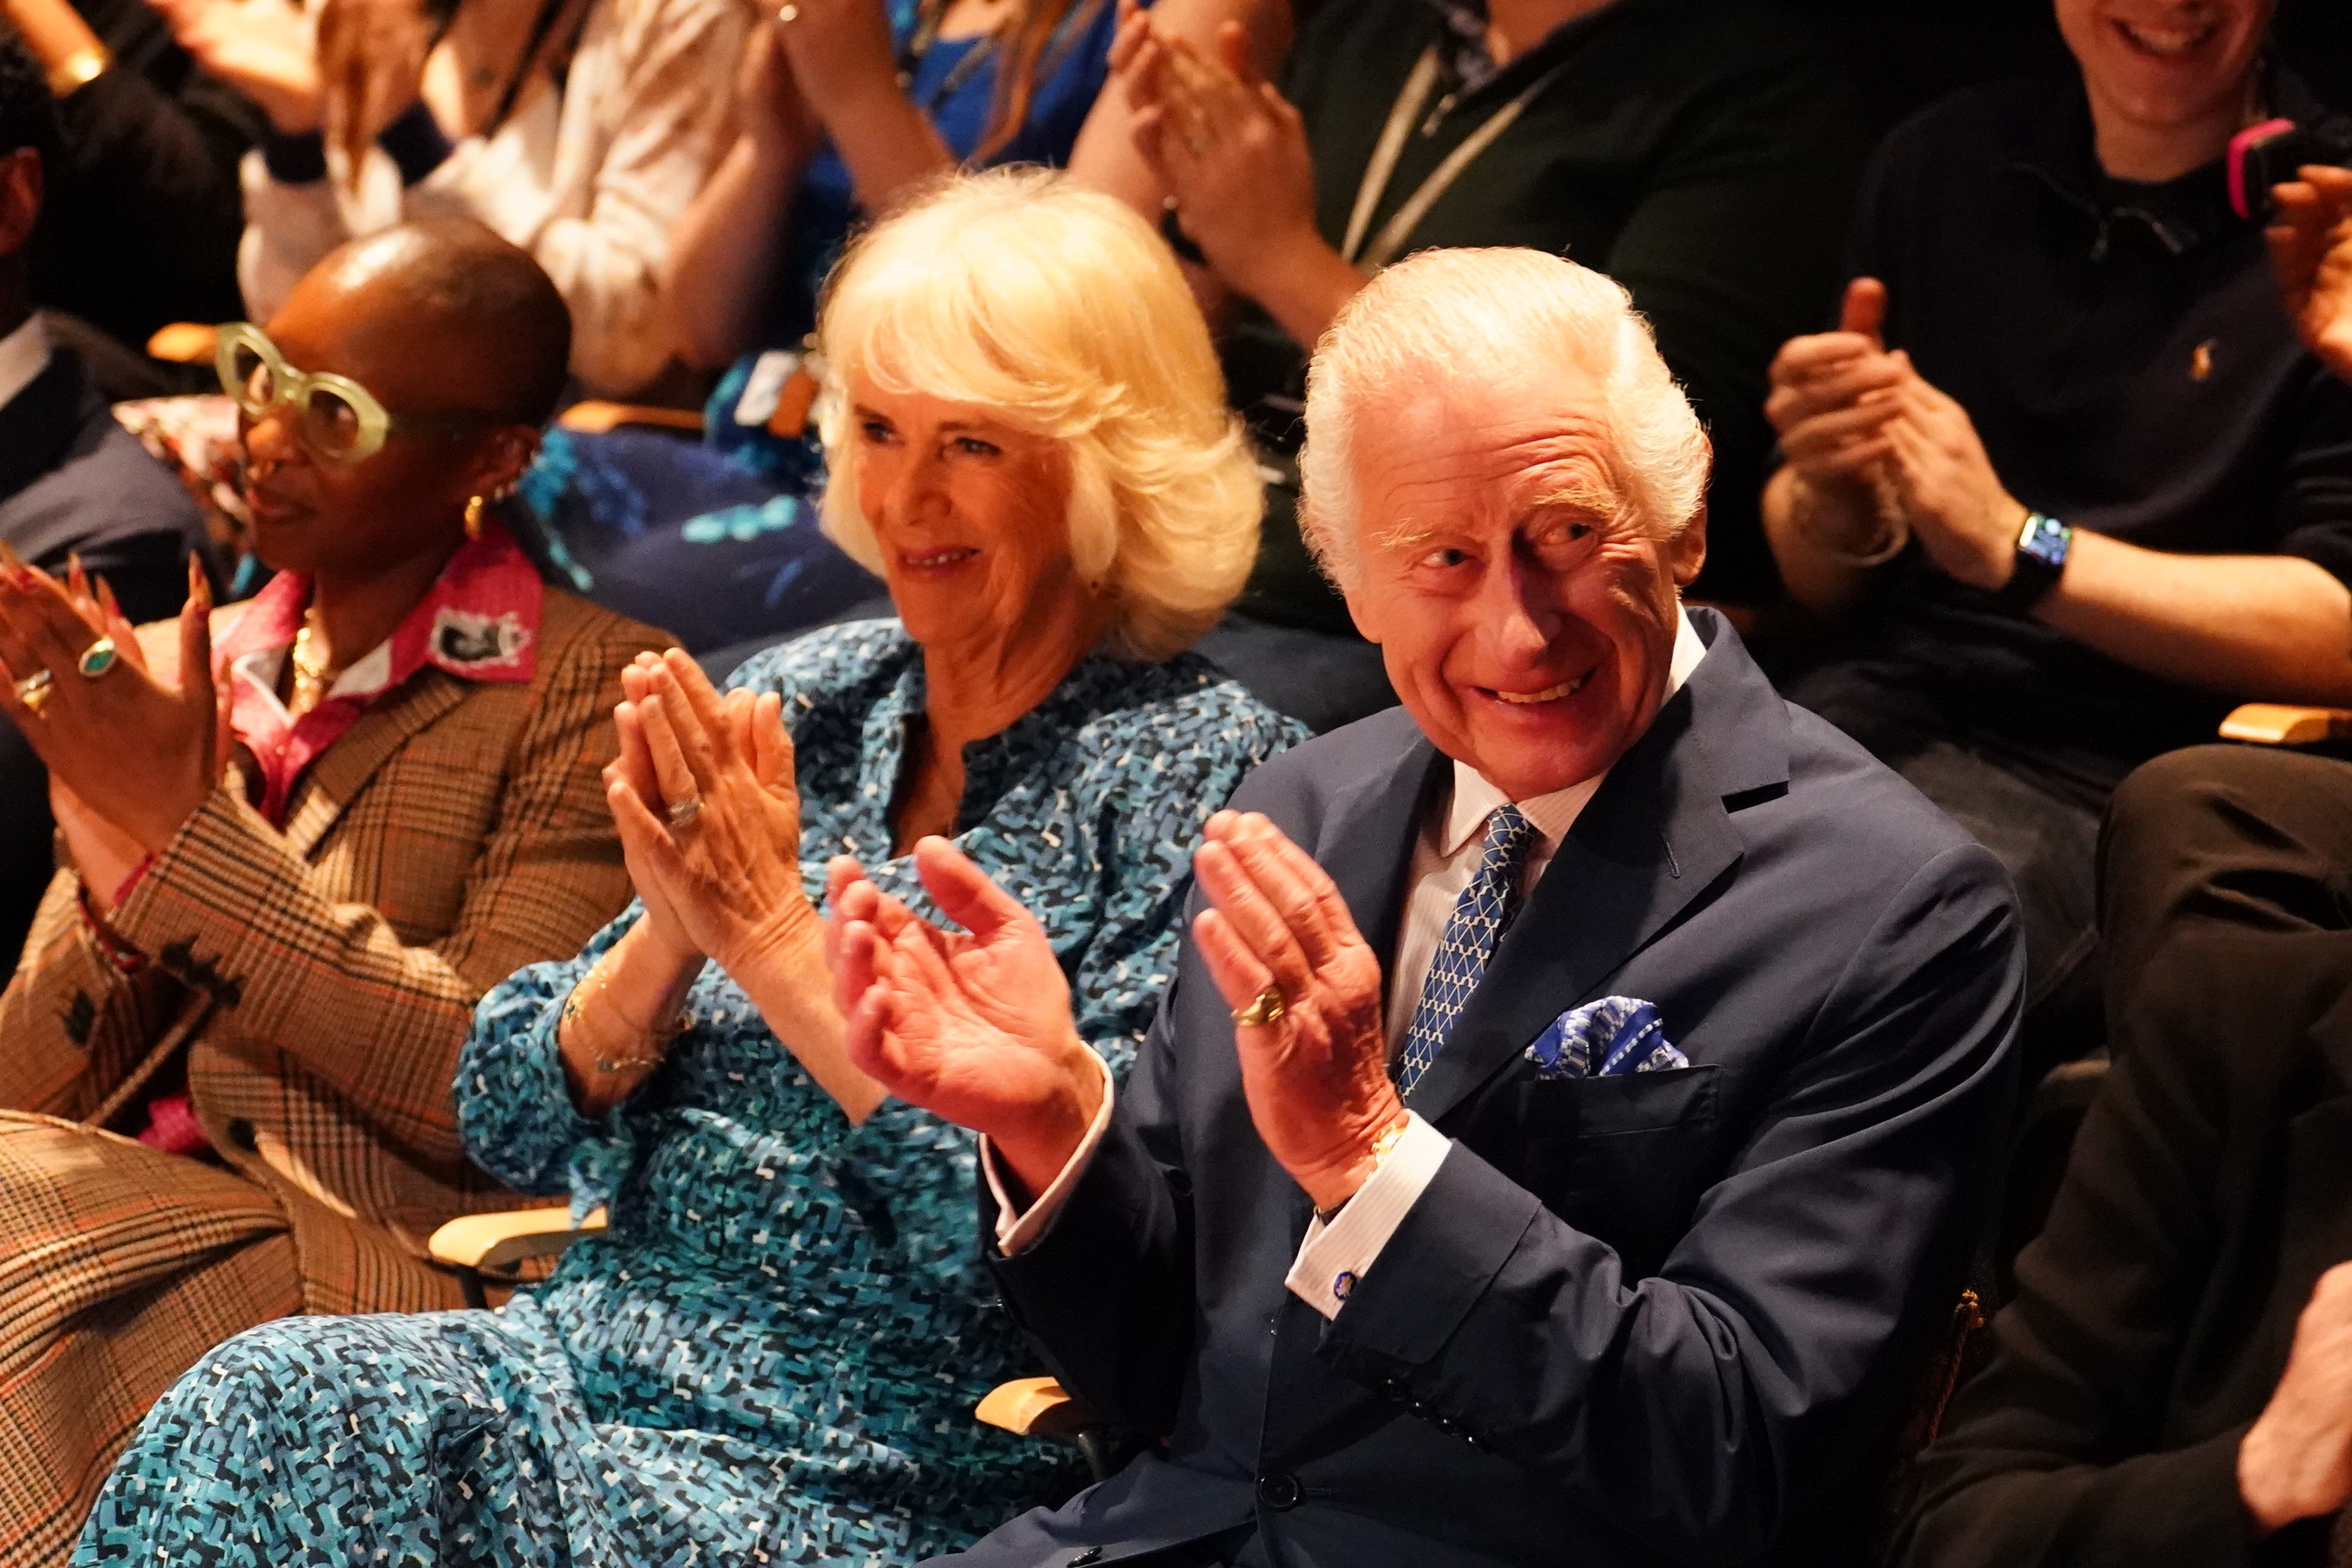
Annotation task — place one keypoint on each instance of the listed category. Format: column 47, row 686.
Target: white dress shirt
column 24, row 355
column 1334, row 1256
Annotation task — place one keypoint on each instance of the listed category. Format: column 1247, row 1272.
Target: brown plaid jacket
column 457, row 832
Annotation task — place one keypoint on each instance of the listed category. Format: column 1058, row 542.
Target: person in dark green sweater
column 1695, row 151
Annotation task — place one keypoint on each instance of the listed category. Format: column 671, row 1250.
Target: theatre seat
column 2285, row 724
column 499, row 1245
column 594, row 416
column 1041, row 1407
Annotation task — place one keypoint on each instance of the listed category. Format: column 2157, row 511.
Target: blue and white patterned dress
column 773, row 1355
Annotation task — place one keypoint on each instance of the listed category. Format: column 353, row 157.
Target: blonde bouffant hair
column 1061, row 312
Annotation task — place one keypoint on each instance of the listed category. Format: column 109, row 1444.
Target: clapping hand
column 2311, row 247
column 1316, row 1075
column 1231, row 149
column 974, row 1027
column 138, row 753
column 1833, row 395
column 371, row 67
column 709, row 817
column 260, row 48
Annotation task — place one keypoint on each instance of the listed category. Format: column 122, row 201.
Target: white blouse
column 590, row 181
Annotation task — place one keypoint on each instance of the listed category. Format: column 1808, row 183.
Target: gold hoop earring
column 474, row 505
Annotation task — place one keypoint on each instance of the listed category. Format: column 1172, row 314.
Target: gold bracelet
column 575, row 1006
column 79, row 70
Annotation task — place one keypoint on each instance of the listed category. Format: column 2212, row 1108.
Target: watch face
column 2046, row 540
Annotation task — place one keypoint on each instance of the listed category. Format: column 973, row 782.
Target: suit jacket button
column 240, row 1132
column 1091, row 1554
column 1398, row 1390
column 1280, row 1490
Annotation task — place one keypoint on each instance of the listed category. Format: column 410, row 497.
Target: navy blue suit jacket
column 1662, row 1317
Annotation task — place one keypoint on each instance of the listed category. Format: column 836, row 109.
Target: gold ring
column 1267, row 1006
column 97, row 658
column 787, row 15
column 683, row 814
column 34, row 689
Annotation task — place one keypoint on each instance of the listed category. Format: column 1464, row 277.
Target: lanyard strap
column 1390, row 147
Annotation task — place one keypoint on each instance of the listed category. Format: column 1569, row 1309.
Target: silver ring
column 683, row 814
column 34, row 689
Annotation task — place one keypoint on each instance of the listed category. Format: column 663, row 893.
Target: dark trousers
column 2216, row 842
column 2043, row 832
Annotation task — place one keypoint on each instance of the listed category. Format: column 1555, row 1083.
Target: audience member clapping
column 773, row 1353
column 2065, row 481
column 1697, row 153
column 304, row 835
column 577, row 129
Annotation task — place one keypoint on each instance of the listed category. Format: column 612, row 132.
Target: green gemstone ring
column 97, row 658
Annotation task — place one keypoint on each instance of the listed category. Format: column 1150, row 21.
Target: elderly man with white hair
column 1564, row 1132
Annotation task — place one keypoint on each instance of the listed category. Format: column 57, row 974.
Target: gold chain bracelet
column 575, row 1007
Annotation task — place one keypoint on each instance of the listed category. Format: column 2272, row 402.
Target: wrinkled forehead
column 1466, row 452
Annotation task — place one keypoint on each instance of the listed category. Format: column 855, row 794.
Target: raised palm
column 974, row 1025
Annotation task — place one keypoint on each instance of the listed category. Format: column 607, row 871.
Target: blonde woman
column 776, row 1347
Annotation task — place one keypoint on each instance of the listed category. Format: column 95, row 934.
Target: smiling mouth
column 2167, row 43
column 933, row 560
column 1549, row 694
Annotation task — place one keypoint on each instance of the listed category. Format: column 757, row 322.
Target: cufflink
column 1344, row 1282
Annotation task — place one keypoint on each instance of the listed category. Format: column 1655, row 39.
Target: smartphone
column 2268, row 155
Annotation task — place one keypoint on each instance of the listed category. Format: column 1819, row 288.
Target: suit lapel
column 343, row 770
column 36, row 424
column 1367, row 848
column 1655, row 836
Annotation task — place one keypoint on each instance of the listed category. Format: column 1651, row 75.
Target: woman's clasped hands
column 704, row 795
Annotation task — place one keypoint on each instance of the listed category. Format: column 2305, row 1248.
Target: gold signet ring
column 34, row 689
column 1263, row 1008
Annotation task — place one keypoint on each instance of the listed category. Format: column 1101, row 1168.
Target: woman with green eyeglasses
column 300, row 837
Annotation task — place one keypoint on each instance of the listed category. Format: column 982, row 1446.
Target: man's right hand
column 975, row 1028
column 2296, row 1460
column 1833, row 395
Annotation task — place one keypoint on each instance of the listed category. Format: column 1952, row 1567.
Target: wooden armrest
column 1033, row 1407
column 499, row 1241
column 595, row 416
column 2281, row 724
column 183, row 343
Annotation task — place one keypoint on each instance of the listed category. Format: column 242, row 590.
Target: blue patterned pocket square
column 1607, row 1039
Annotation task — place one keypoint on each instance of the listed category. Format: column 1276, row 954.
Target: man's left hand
column 2310, row 248
column 1317, row 1077
column 1966, row 520
column 139, row 752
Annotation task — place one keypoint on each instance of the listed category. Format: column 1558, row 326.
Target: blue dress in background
column 718, row 543
column 773, row 1353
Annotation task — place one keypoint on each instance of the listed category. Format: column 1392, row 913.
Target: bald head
column 450, row 290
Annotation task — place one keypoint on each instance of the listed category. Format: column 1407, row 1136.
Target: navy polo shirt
column 2123, row 354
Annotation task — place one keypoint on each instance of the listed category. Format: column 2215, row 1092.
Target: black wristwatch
column 2042, row 546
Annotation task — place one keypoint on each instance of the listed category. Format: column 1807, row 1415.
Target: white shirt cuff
column 1016, row 1232
column 1334, row 1256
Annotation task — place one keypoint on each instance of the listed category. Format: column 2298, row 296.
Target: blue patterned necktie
column 1479, row 916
